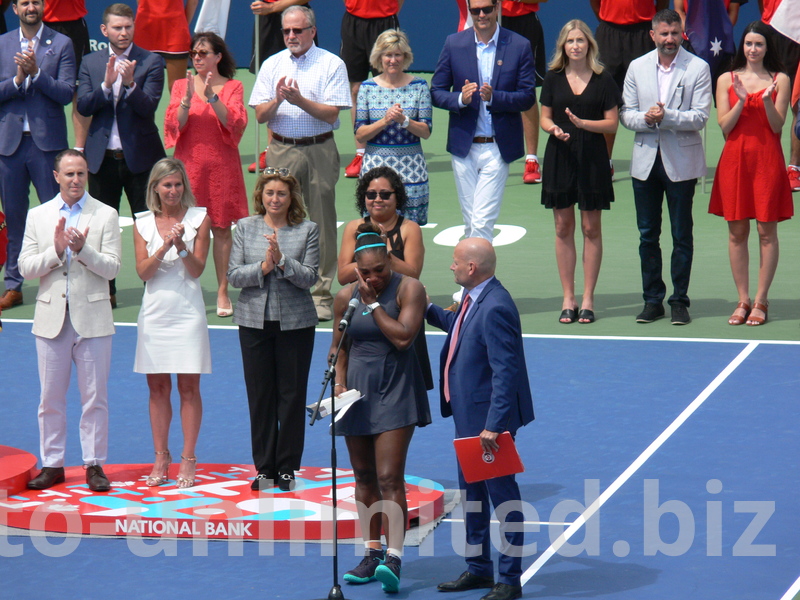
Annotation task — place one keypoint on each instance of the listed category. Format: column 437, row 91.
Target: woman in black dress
column 580, row 102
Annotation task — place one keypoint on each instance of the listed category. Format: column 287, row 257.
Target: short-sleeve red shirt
column 371, row 9
column 627, row 12
column 57, row 11
column 518, row 9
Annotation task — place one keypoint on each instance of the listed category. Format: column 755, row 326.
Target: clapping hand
column 395, row 113
column 738, row 88
column 655, row 115
column 269, row 260
column 274, row 249
column 26, row 63
column 467, row 90
column 189, row 88
column 486, row 92
column 176, row 235
column 289, row 91
column 769, row 90
column 126, row 69
column 208, row 92
column 575, row 120
column 559, row 133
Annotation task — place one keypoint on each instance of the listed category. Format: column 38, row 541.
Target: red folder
column 477, row 465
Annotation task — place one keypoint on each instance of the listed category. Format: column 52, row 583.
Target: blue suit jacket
column 135, row 110
column 489, row 386
column 513, row 84
column 45, row 98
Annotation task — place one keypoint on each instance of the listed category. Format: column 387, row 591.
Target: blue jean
column 648, row 195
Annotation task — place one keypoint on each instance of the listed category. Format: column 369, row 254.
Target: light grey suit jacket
column 686, row 109
column 300, row 245
column 88, row 272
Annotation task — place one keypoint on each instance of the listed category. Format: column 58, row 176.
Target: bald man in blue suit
column 37, row 80
column 486, row 390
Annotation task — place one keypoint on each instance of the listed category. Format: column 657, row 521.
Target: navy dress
column 390, row 379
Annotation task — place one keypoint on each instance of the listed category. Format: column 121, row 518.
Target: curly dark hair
column 227, row 65
column 394, row 180
column 772, row 61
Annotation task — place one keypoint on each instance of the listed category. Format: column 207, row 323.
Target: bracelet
column 187, row 107
column 339, row 384
column 158, row 259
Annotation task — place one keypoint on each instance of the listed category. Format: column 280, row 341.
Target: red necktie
column 452, row 349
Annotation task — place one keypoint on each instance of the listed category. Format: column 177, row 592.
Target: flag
column 464, row 18
column 710, row 31
column 784, row 16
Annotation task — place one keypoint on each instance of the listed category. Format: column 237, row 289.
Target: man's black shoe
column 97, row 480
column 47, row 478
column 466, row 581
column 503, row 591
column 680, row 315
column 651, row 312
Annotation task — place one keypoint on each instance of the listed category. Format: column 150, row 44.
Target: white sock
column 394, row 552
column 532, row 157
column 360, row 151
column 368, row 548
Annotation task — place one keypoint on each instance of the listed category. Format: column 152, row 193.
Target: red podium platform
column 221, row 504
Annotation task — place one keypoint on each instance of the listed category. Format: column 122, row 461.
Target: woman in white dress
column 171, row 242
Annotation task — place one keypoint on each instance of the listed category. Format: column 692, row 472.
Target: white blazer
column 686, row 111
column 88, row 273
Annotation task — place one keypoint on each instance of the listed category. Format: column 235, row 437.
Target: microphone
column 351, row 308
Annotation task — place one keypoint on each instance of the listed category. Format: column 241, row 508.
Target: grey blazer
column 686, row 110
column 300, row 245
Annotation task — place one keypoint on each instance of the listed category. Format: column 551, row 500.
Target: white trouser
column 480, row 181
column 92, row 358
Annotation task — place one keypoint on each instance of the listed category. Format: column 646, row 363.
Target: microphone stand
column 330, row 374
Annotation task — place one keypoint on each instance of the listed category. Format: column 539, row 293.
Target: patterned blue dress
column 396, row 147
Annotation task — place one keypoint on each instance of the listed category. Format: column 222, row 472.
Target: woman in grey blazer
column 274, row 260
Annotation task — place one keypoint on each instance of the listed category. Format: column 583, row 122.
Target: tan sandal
column 755, row 321
column 183, row 481
column 739, row 319
column 159, row 477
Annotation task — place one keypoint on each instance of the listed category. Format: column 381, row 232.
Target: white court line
column 636, row 464
column 792, row 591
column 496, row 522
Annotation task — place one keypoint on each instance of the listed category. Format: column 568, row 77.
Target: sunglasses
column 294, row 30
column 384, row 194
column 487, row 10
column 282, row 171
column 200, row 53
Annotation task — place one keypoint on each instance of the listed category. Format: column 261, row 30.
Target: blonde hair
column 164, row 168
column 296, row 212
column 560, row 59
column 388, row 41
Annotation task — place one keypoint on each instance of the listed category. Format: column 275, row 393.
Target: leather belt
column 115, row 154
column 28, row 133
column 482, row 140
column 304, row 141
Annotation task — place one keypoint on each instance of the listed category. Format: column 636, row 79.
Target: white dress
column 173, row 329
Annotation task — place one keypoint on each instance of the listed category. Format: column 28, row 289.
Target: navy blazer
column 45, row 98
column 513, row 91
column 489, row 386
column 135, row 110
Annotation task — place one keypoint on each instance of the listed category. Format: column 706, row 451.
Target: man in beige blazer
column 72, row 245
column 667, row 100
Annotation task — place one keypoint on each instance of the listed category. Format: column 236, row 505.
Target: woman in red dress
column 205, row 121
column 750, row 182
column 162, row 26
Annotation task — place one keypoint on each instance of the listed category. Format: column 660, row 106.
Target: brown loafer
column 97, row 480
column 9, row 299
column 47, row 478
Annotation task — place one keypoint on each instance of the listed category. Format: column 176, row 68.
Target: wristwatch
column 213, row 99
column 282, row 261
column 183, row 253
column 370, row 307
column 405, row 123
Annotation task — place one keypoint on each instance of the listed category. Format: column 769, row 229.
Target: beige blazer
column 686, row 109
column 88, row 273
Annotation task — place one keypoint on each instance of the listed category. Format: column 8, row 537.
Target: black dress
column 577, row 171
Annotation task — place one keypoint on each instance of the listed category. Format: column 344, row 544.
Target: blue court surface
column 657, row 469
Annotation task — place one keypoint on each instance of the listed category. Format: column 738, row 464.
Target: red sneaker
column 794, row 178
column 532, row 172
column 262, row 163
column 354, row 168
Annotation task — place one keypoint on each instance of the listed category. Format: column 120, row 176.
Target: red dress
column 751, row 182
column 211, row 151
column 161, row 26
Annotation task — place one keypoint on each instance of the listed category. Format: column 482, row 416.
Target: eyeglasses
column 487, row 10
column 282, row 171
column 200, row 53
column 294, row 30
column 384, row 194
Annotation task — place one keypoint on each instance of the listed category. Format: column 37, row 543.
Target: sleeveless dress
column 172, row 326
column 211, row 151
column 577, row 171
column 750, row 181
column 397, row 246
column 390, row 379
column 396, row 147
